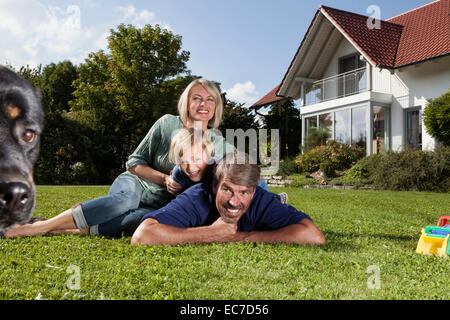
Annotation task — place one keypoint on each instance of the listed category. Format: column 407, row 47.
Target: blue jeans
column 119, row 211
column 125, row 224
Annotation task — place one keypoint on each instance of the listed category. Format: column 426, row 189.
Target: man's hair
column 183, row 103
column 185, row 139
column 239, row 168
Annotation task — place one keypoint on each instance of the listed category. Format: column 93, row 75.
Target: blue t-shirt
column 197, row 207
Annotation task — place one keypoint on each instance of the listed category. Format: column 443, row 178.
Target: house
column 366, row 81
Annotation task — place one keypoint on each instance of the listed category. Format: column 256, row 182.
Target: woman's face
column 201, row 105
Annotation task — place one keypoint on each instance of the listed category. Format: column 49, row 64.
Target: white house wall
column 345, row 48
column 411, row 87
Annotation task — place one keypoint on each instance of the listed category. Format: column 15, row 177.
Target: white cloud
column 140, row 18
column 243, row 93
column 32, row 33
column 36, row 34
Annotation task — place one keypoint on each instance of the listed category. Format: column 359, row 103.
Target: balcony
column 341, row 85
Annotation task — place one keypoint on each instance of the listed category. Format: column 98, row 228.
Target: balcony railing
column 338, row 86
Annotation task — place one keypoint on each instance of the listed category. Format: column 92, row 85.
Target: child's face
column 194, row 163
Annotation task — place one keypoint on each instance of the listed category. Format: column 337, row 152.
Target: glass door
column 380, row 129
column 414, row 129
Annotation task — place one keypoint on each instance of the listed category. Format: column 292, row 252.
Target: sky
column 246, row 45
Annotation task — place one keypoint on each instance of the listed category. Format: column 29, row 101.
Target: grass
column 363, row 228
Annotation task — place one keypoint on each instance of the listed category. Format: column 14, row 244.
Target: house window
column 380, row 129
column 310, row 122
column 326, row 122
column 350, row 83
column 414, row 129
column 359, row 135
column 342, row 126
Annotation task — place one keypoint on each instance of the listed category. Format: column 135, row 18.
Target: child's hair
column 185, row 139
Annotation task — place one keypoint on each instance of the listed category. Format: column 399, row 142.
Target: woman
column 147, row 183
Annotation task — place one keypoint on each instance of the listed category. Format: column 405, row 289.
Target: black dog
column 21, row 123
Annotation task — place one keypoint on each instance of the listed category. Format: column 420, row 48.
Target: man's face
column 232, row 200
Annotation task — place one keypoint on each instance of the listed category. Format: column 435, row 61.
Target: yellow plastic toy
column 434, row 240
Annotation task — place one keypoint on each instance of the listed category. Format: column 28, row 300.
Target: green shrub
column 287, row 167
column 409, row 170
column 356, row 172
column 328, row 168
column 330, row 158
column 300, row 181
column 436, row 118
column 343, row 181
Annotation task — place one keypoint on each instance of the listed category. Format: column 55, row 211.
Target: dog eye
column 28, row 136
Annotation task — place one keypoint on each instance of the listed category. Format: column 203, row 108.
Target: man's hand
column 150, row 231
column 226, row 232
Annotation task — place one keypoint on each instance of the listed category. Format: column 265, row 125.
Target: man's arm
column 304, row 232
column 151, row 232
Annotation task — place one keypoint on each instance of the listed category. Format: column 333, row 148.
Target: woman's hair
column 239, row 168
column 183, row 103
column 183, row 141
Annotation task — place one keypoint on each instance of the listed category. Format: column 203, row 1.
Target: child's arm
column 182, row 178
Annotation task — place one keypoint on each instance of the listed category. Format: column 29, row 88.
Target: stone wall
column 276, row 181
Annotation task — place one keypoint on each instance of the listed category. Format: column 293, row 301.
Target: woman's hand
column 172, row 186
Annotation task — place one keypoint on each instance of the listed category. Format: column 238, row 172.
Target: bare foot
column 26, row 230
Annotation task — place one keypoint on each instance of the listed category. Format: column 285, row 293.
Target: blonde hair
column 185, row 139
column 183, row 103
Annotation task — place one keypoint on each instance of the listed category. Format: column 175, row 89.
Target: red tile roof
column 413, row 36
column 269, row 98
column 426, row 33
column 377, row 44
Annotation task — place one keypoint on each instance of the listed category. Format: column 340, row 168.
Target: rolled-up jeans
column 119, row 211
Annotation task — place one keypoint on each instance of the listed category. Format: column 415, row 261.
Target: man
column 231, row 208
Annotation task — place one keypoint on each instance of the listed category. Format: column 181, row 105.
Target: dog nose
column 14, row 195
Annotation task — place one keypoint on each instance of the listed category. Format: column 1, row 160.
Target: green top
column 153, row 151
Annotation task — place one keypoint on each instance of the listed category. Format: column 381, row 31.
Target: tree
column 436, row 118
column 56, row 86
column 285, row 117
column 236, row 116
column 31, row 74
column 120, row 94
column 64, row 141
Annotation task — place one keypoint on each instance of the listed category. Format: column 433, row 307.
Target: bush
column 328, row 168
column 300, row 181
column 287, row 167
column 356, row 172
column 436, row 118
column 329, row 158
column 409, row 170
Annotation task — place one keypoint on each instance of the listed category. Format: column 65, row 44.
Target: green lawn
column 365, row 230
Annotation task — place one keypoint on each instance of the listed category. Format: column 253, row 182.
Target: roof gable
column 378, row 45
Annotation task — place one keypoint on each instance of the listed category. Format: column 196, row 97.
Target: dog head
column 21, row 123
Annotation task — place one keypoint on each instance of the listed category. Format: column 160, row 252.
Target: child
column 193, row 155
column 192, row 152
